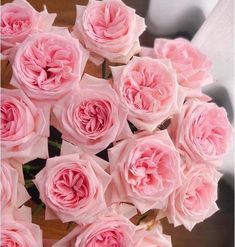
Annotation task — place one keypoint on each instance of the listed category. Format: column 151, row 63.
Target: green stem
column 54, row 144
column 38, row 208
column 104, row 69
column 27, row 167
column 29, row 183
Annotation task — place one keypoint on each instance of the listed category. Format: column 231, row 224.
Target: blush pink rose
column 192, row 67
column 195, row 199
column 24, row 127
column 19, row 233
column 48, row 65
column 153, row 238
column 13, row 194
column 145, row 170
column 18, row 20
column 149, row 90
column 111, row 228
column 91, row 117
column 73, row 186
column 109, row 29
column 202, row 131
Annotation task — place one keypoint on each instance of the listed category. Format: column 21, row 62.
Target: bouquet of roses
column 164, row 139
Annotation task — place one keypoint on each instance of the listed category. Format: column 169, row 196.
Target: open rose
column 48, row 65
column 91, row 117
column 109, row 29
column 19, row 233
column 24, row 127
column 13, row 194
column 149, row 90
column 195, row 199
column 202, row 131
column 145, row 170
column 113, row 229
column 192, row 67
column 18, row 20
column 73, row 186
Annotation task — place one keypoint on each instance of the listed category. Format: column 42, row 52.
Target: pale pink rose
column 145, row 170
column 91, row 117
column 24, row 127
column 18, row 20
column 19, row 233
column 13, row 194
column 73, row 186
column 48, row 65
column 111, row 229
column 153, row 238
column 195, row 200
column 109, row 29
column 192, row 67
column 202, row 131
column 149, row 89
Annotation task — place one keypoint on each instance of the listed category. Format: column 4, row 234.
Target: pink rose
column 202, row 131
column 48, row 65
column 112, row 229
column 91, row 117
column 19, row 233
column 149, row 90
column 145, row 170
column 109, row 29
column 18, row 20
column 154, row 238
column 73, row 186
column 192, row 67
column 195, row 200
column 13, row 194
column 24, row 127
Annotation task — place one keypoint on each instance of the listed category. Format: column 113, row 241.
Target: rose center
column 71, row 187
column 106, row 239
column 92, row 116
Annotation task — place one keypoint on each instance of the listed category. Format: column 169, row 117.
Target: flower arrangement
column 165, row 140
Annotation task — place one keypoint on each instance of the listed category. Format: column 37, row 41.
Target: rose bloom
column 112, row 229
column 195, row 199
column 109, row 29
column 18, row 20
column 153, row 238
column 19, row 233
column 72, row 187
column 48, row 65
column 91, row 117
column 145, row 170
column 24, row 127
column 13, row 194
column 202, row 131
column 149, row 90
column 192, row 67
